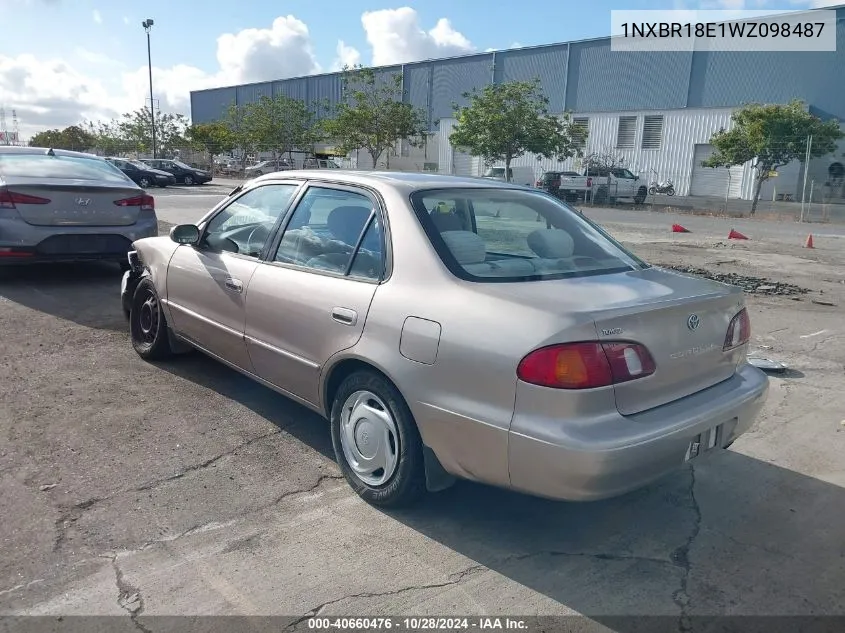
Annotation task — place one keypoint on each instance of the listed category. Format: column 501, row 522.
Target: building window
column 627, row 132
column 583, row 123
column 652, row 131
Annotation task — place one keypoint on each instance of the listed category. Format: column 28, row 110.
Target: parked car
column 319, row 163
column 542, row 357
column 57, row 205
column 604, row 185
column 518, row 175
column 182, row 172
column 267, row 167
column 550, row 180
column 142, row 174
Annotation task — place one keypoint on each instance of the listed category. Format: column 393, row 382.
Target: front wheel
column 144, row 182
column 652, row 191
column 147, row 324
column 670, row 191
column 189, row 180
column 376, row 441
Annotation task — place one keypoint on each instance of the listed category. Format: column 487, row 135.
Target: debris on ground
column 754, row 285
column 47, row 487
column 767, row 364
column 819, row 302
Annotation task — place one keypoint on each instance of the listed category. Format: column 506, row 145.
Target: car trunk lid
column 73, row 203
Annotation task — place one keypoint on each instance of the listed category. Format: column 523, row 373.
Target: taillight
column 146, row 202
column 739, row 331
column 586, row 365
column 8, row 199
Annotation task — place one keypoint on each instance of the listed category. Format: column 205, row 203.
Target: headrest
column 346, row 222
column 446, row 222
column 466, row 246
column 551, row 243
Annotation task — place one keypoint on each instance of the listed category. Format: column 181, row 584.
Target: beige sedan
column 453, row 328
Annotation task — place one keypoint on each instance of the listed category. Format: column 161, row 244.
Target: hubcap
column 369, row 438
column 148, row 319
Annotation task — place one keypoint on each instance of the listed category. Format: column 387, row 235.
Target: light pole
column 147, row 24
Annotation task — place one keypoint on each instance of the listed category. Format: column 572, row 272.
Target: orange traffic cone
column 809, row 242
column 677, row 228
column 736, row 235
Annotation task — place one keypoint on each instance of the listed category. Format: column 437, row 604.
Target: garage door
column 707, row 181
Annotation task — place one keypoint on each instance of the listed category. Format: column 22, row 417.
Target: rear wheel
column 189, row 180
column 147, row 323
column 376, row 441
column 670, row 191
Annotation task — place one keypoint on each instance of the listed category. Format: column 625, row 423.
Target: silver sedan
column 453, row 328
column 58, row 205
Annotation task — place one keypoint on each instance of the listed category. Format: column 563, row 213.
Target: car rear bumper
column 22, row 243
column 573, row 462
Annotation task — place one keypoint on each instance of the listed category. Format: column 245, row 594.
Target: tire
column 652, row 191
column 641, row 195
column 367, row 403
column 189, row 180
column 144, row 182
column 670, row 191
column 147, row 323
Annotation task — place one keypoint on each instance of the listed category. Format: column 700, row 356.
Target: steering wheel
column 250, row 250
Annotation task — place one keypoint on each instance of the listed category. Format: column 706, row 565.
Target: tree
column 772, row 136
column 214, row 138
column 73, row 137
column 135, row 128
column 504, row 121
column 106, row 135
column 372, row 114
column 279, row 124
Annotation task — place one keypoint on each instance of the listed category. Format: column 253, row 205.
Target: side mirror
column 185, row 234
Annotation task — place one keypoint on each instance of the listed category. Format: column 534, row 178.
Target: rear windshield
column 74, row 167
column 498, row 234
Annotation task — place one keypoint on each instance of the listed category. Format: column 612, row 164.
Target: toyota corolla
column 453, row 328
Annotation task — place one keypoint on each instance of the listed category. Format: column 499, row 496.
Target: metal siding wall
column 417, row 86
column 451, row 78
column 601, row 80
column 293, row 88
column 730, row 79
column 324, row 88
column 211, row 105
column 252, row 92
column 549, row 64
column 444, row 147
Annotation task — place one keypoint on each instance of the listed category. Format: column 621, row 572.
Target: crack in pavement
column 596, row 556
column 681, row 596
column 129, row 598
column 285, row 495
column 454, row 579
column 70, row 515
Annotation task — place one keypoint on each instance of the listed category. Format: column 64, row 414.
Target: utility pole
column 147, row 24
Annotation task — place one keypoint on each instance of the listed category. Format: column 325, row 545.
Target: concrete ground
column 139, row 489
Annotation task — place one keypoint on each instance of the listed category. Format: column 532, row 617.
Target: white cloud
column 346, row 56
column 396, row 37
column 126, row 19
column 98, row 18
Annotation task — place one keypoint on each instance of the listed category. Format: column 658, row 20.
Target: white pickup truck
column 603, row 185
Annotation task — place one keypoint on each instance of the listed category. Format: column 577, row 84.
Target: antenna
column 15, row 131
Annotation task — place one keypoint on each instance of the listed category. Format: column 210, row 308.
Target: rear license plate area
column 705, row 442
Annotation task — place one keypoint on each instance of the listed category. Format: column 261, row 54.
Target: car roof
column 399, row 180
column 14, row 149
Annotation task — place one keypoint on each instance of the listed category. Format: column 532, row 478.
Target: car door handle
column 345, row 316
column 235, row 285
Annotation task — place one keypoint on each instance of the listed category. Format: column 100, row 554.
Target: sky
column 64, row 61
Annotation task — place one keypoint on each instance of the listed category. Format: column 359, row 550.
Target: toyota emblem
column 693, row 322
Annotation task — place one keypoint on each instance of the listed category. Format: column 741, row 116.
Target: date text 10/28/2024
column 415, row 624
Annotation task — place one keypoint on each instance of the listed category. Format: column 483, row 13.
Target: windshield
column 494, row 234
column 44, row 166
column 179, row 163
column 139, row 164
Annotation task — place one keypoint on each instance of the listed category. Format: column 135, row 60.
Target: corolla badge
column 83, row 202
column 693, row 321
